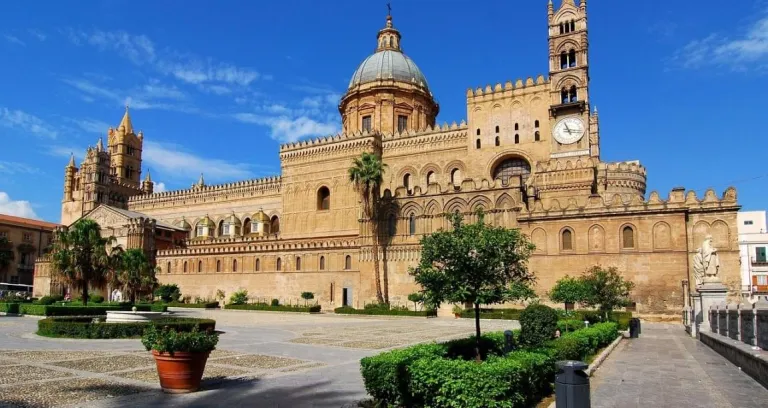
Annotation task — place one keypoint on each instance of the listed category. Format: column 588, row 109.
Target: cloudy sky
column 217, row 86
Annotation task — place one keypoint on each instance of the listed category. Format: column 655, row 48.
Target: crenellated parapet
column 249, row 244
column 507, row 90
column 340, row 144
column 622, row 178
column 432, row 138
column 240, row 189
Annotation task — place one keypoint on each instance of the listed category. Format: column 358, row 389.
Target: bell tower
column 125, row 148
column 569, row 81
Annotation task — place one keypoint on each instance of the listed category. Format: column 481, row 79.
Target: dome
column 388, row 64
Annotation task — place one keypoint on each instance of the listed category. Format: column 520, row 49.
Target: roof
column 134, row 214
column 388, row 64
column 27, row 222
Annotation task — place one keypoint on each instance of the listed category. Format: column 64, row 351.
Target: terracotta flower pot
column 181, row 372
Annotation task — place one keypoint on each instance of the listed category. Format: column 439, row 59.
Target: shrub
column 12, row 308
column 169, row 340
column 383, row 312
column 46, row 300
column 168, row 292
column 538, row 324
column 97, row 299
column 491, row 344
column 84, row 328
column 201, row 305
column 569, row 325
column 239, row 298
column 279, row 308
column 57, row 298
column 501, row 314
column 307, row 295
column 32, row 309
column 580, row 344
column 275, row 302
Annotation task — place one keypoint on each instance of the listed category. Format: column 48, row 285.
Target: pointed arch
column 432, row 208
column 456, row 204
column 505, row 202
column 596, row 238
column 721, row 235
column 567, row 239
column 411, row 207
column 539, row 238
column 480, row 202
column 662, row 235
column 628, row 236
column 700, row 231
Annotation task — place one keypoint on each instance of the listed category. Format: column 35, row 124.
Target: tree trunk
column 385, row 273
column 133, row 297
column 85, row 294
column 477, row 332
column 375, row 247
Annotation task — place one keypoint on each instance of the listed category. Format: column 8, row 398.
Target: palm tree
column 80, row 258
column 367, row 175
column 134, row 273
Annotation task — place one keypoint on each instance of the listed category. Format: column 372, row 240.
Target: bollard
column 572, row 385
column 509, row 341
column 634, row 328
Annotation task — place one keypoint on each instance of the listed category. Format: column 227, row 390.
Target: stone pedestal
column 709, row 294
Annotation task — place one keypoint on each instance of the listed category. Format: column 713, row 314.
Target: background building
column 753, row 242
column 28, row 240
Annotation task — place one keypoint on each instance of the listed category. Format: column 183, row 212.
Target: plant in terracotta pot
column 180, row 356
column 457, row 311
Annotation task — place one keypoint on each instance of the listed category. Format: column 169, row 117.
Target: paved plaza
column 667, row 368
column 263, row 359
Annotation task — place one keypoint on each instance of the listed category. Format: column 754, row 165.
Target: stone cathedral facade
column 528, row 154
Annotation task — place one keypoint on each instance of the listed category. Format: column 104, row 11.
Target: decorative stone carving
column 706, row 263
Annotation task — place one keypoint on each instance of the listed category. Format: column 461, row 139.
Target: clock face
column 569, row 130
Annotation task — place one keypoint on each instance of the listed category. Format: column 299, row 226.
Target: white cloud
column 172, row 160
column 14, row 40
column 746, row 52
column 91, row 125
column 17, row 208
column 287, row 129
column 7, row 167
column 150, row 96
column 217, row 89
column 38, row 34
column 159, row 187
column 25, row 122
column 66, row 151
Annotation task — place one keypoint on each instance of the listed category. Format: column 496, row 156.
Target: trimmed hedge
column 500, row 314
column 209, row 305
column 446, row 375
column 384, row 312
column 569, row 325
column 84, row 328
column 281, row 308
column 12, row 308
column 538, row 324
column 55, row 310
column 592, row 316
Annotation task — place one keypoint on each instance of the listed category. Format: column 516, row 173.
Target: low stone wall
column 752, row 362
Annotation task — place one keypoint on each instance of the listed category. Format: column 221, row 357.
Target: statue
column 706, row 263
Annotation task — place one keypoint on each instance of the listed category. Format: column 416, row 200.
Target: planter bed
column 255, row 306
column 621, row 318
column 210, row 305
column 384, row 312
column 85, row 328
column 55, row 310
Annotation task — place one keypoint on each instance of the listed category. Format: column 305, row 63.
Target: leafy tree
column 6, row 252
column 240, row 297
column 80, row 258
column 134, row 273
column 367, row 174
column 568, row 290
column 307, row 296
column 606, row 288
column 474, row 263
column 416, row 298
column 168, row 293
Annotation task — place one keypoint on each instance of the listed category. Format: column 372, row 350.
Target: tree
column 168, row 293
column 416, row 298
column 568, row 290
column 134, row 273
column 474, row 263
column 367, row 174
column 606, row 288
column 79, row 256
column 307, row 296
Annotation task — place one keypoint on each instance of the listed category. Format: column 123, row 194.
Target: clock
column 569, row 130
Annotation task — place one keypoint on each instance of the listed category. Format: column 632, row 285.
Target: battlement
column 633, row 166
column 256, row 244
column 567, row 164
column 324, row 140
column 508, row 89
column 263, row 185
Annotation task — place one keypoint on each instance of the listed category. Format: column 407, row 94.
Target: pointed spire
column 201, row 182
column 71, row 160
column 148, row 177
column 100, row 146
column 126, row 122
column 550, row 9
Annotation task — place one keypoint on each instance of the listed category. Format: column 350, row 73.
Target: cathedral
column 528, row 154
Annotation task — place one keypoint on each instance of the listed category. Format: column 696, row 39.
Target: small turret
column 125, row 124
column 100, row 146
column 71, row 161
column 200, row 183
column 147, row 186
column 69, row 178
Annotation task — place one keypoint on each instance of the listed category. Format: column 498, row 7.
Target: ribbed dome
column 388, row 65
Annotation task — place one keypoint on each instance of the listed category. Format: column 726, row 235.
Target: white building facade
column 753, row 245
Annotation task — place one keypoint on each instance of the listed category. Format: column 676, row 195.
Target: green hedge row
column 280, row 308
column 501, row 314
column 446, row 375
column 592, row 316
column 84, row 328
column 53, row 310
column 209, row 305
column 384, row 312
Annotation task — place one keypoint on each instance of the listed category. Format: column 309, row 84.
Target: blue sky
column 217, row 86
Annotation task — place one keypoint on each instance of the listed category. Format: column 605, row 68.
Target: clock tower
column 574, row 131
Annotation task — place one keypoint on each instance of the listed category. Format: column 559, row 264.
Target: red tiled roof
column 27, row 222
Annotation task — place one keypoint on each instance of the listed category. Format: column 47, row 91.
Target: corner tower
column 125, row 148
column 388, row 93
column 569, row 79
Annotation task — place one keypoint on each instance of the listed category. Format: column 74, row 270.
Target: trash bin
column 571, row 385
column 634, row 328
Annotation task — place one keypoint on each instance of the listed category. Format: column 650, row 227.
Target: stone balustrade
column 746, row 322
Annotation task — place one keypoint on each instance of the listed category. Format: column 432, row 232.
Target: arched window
column 563, row 60
column 168, row 267
column 478, row 132
column 199, row 266
column 322, row 263
column 431, row 178
column 477, row 144
column 323, row 198
column 407, row 181
column 562, row 28
column 566, row 240
column 218, row 266
column 517, row 126
column 627, row 237
column 517, row 139
column 498, row 141
column 567, row 27
column 247, row 226
column 279, row 264
column 497, row 129
column 512, row 167
column 536, row 124
column 390, row 41
column 298, row 263
column 456, row 177
column 537, row 136
column 220, row 229
column 572, row 58
column 348, row 262
column 234, row 265
column 257, row 265
column 574, row 94
column 185, row 267
column 391, row 225
column 274, row 224
column 412, row 225
column 573, row 25
column 564, row 96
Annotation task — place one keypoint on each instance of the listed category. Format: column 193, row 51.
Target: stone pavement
column 667, row 368
column 264, row 359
